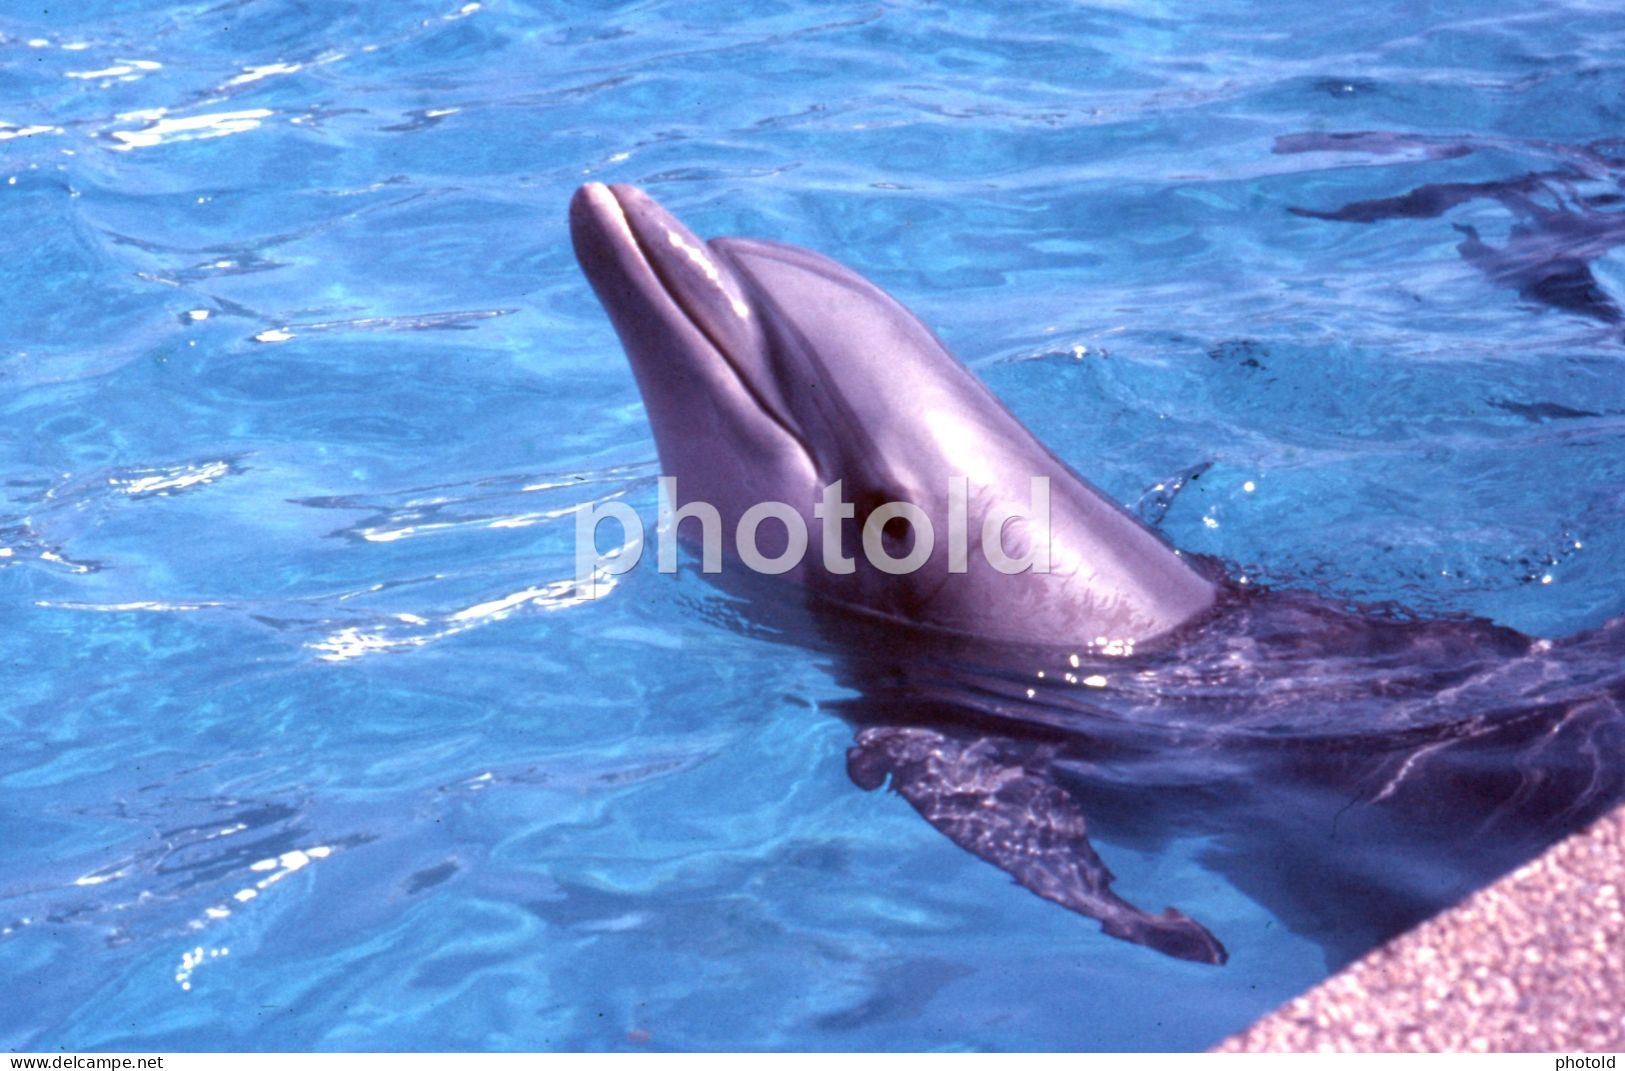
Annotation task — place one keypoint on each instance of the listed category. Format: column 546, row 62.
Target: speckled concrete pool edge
column 1534, row 962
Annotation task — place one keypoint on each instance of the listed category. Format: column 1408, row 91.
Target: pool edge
column 1534, row 962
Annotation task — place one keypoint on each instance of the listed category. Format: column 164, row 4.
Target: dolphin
column 771, row 372
column 1564, row 219
column 1354, row 769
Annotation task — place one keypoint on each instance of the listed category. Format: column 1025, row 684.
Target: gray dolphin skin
column 1352, row 769
column 770, row 372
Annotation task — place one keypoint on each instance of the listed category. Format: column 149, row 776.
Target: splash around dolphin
column 1354, row 771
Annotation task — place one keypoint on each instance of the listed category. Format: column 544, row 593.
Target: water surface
column 308, row 739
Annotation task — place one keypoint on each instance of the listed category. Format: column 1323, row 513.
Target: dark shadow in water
column 1564, row 218
column 1354, row 770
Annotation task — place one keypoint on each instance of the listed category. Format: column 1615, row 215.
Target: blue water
column 308, row 741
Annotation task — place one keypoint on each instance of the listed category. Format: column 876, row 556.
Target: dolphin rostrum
column 1353, row 769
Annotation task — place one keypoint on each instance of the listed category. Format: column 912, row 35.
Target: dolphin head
column 699, row 351
column 771, row 372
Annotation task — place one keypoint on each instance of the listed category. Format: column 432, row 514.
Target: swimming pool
column 308, row 739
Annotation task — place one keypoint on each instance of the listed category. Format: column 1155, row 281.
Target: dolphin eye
column 897, row 534
column 865, row 504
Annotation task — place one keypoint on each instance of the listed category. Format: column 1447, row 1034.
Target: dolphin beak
column 635, row 235
column 659, row 281
column 597, row 223
column 609, row 254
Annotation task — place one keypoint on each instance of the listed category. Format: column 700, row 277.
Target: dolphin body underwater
column 1354, row 770
column 1565, row 218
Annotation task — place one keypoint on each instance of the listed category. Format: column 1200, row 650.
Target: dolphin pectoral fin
column 993, row 806
column 1173, row 933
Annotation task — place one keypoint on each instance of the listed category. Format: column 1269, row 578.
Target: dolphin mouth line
column 704, row 260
